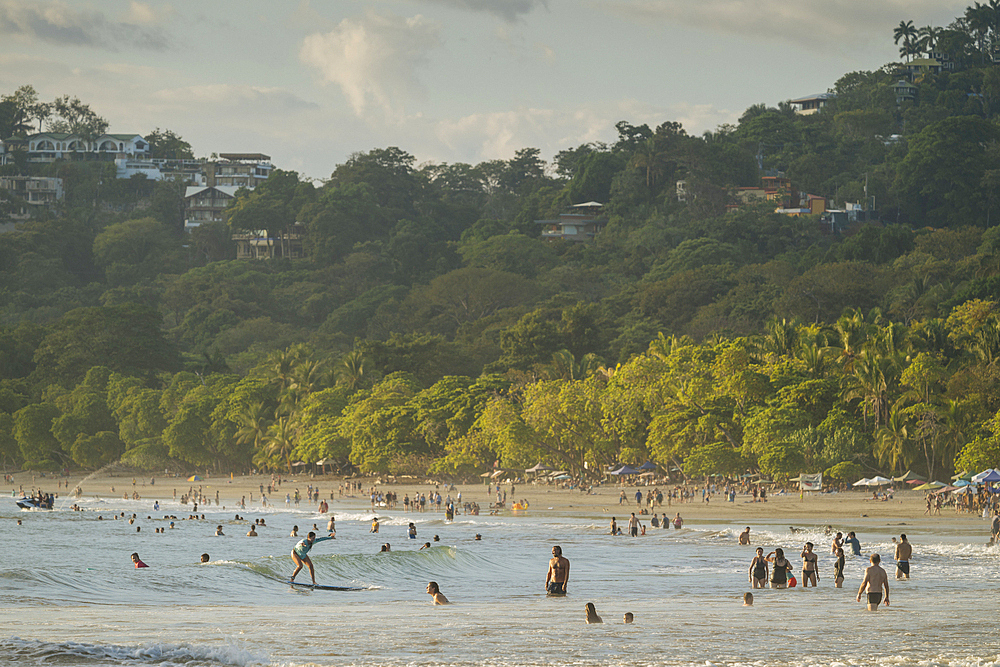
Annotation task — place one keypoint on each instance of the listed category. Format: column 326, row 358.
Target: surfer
column 558, row 574
column 875, row 580
column 435, row 592
column 300, row 554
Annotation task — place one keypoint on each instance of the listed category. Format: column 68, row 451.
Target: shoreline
column 812, row 508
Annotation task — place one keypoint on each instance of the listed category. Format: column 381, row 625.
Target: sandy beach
column 810, row 509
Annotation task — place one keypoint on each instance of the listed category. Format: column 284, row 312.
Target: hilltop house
column 52, row 146
column 582, row 223
column 206, row 203
column 811, row 104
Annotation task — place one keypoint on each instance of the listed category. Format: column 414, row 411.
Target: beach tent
column 930, row 486
column 879, row 480
column 964, row 475
column 960, row 483
column 624, row 470
column 648, row 465
column 194, row 478
column 557, row 473
column 299, row 464
column 486, row 474
column 910, row 476
column 965, row 489
column 561, row 477
column 539, row 467
column 862, row 482
column 988, row 475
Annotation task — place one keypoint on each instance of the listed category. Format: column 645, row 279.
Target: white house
column 50, row 146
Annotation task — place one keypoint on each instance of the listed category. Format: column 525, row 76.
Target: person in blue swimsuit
column 300, row 554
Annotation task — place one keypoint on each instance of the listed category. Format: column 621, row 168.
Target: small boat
column 34, row 504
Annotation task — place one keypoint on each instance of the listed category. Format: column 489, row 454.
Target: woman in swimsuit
column 838, row 569
column 782, row 566
column 758, row 569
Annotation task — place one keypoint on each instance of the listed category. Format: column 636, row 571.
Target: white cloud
column 374, row 59
column 59, row 24
column 141, row 13
column 804, row 22
column 254, row 99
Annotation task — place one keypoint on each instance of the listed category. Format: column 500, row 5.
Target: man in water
column 138, row 563
column 614, row 526
column 745, row 537
column 558, row 575
column 875, row 580
column 810, row 566
column 903, row 553
column 435, row 592
column 838, row 542
column 331, row 527
column 633, row 526
column 300, row 554
column 995, row 529
column 852, row 539
column 204, row 558
column 629, row 617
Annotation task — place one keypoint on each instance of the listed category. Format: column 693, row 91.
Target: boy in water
column 875, row 580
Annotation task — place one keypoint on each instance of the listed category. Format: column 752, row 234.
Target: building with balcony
column 264, row 245
column 582, row 223
column 31, row 192
column 811, row 104
column 246, row 170
column 206, row 203
column 51, row 146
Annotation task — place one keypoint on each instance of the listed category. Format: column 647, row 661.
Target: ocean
column 71, row 596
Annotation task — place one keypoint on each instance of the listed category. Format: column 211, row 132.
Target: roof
column 245, row 156
column 813, row 98
column 589, row 204
column 124, row 137
column 229, row 190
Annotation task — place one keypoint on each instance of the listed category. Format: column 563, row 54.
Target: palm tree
column 928, row 37
column 892, row 442
column 906, row 33
column 649, row 156
column 279, row 442
column 782, row 337
column 353, row 370
column 253, row 424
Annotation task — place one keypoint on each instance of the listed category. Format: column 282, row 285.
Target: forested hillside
column 430, row 329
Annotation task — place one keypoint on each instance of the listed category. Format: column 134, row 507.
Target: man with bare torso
column 875, row 580
column 558, row 575
column 903, row 553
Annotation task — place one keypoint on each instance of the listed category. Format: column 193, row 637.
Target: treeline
column 429, row 328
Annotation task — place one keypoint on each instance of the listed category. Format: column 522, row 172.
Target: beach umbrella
column 910, row 476
column 194, row 478
column 964, row 475
column 879, row 480
column 965, row 489
column 960, row 483
column 930, row 486
column 915, row 481
column 864, row 481
column 299, row 463
column 648, row 474
column 558, row 477
column 558, row 472
column 988, row 475
column 486, row 474
column 539, row 467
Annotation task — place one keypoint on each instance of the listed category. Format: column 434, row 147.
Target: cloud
column 804, row 22
column 141, row 13
column 57, row 23
column 374, row 58
column 254, row 99
column 508, row 10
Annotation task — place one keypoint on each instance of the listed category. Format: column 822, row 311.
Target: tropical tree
column 906, row 33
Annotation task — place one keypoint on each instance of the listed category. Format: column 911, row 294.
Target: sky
column 310, row 82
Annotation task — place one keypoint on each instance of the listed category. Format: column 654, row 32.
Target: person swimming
column 435, row 592
column 592, row 616
column 137, row 561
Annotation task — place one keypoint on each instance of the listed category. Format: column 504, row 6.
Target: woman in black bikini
column 782, row 566
column 838, row 569
column 758, row 570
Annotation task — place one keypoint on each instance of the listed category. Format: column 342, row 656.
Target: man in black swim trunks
column 875, row 580
column 558, row 575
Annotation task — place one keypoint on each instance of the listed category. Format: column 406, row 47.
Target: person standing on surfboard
column 300, row 554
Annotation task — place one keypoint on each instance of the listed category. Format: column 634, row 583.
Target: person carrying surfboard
column 300, row 554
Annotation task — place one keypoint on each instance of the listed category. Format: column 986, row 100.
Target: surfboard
column 320, row 587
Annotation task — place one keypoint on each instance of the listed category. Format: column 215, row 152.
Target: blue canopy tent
column 648, row 465
column 624, row 470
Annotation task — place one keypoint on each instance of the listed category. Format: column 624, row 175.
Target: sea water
column 71, row 596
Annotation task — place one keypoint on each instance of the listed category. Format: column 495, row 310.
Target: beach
column 71, row 595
